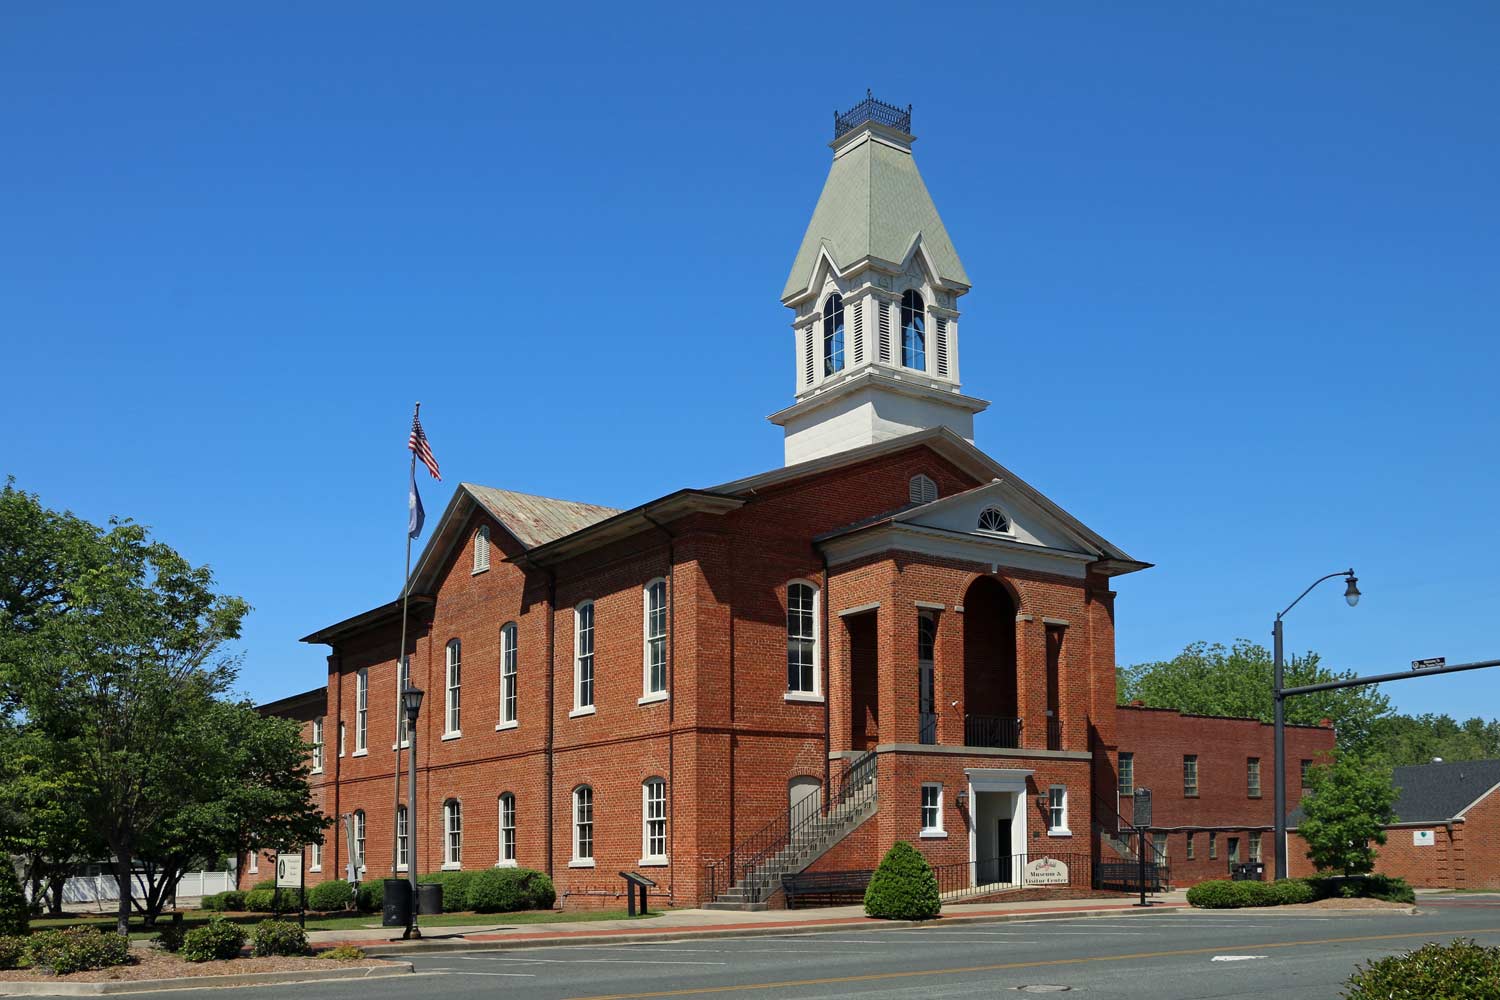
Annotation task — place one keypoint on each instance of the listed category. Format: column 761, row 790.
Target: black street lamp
column 411, row 699
column 1351, row 595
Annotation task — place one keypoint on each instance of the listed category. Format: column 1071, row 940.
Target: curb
column 198, row 982
column 377, row 950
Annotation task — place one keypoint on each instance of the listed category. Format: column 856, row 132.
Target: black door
column 1003, row 852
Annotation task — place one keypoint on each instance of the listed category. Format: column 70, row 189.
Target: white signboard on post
column 288, row 871
column 1046, row 871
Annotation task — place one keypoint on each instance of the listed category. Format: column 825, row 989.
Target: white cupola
column 874, row 290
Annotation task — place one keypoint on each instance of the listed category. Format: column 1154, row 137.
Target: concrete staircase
column 758, row 877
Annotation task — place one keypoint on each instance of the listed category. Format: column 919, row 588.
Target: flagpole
column 400, row 656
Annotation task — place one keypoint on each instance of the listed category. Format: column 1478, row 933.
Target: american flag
column 417, row 443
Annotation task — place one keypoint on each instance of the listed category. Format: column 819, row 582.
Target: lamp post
column 1351, row 595
column 411, row 700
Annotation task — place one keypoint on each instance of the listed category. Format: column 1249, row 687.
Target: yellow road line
column 963, row 970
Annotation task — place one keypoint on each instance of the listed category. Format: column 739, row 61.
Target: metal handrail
column 992, row 731
column 871, row 110
column 927, row 728
column 1009, row 871
column 1124, row 826
column 751, row 854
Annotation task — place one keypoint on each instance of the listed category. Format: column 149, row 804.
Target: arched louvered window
column 922, row 489
column 833, row 334
column 482, row 548
column 913, row 330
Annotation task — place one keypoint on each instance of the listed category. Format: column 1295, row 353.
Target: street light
column 1351, row 595
column 411, row 699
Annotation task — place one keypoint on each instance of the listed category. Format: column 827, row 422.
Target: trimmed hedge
column 231, row 901
column 12, row 952
column 371, row 897
column 330, row 896
column 506, row 890
column 1220, row 894
column 455, row 889
column 1393, row 890
column 1462, row 970
column 77, row 949
column 217, row 939
column 903, row 887
column 169, row 938
column 279, row 937
column 264, row 901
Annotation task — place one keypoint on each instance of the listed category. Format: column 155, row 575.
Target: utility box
column 395, row 910
column 429, row 897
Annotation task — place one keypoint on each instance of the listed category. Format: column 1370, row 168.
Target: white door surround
column 997, row 781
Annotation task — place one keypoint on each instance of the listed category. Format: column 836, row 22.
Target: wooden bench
column 825, row 888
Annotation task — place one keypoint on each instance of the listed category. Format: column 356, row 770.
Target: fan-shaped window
column 922, row 489
column 994, row 519
column 833, row 334
column 913, row 331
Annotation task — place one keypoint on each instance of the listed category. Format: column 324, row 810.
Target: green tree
column 111, row 646
column 40, row 820
column 1405, row 739
column 1237, row 681
column 1348, row 805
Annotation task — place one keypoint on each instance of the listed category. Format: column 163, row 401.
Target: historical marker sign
column 288, row 871
column 1142, row 808
column 1046, row 871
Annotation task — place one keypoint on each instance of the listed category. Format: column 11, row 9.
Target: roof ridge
column 537, row 496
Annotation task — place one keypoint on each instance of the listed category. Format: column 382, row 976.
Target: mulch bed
column 1339, row 903
column 153, row 964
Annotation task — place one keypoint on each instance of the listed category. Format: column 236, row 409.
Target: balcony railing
column 928, row 734
column 1054, row 733
column 992, row 731
column 1056, row 871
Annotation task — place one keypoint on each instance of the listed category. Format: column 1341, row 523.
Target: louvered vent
column 885, row 333
column 922, row 489
column 807, row 362
column 859, row 333
column 942, row 347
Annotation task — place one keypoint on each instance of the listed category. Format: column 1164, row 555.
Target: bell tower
column 874, row 291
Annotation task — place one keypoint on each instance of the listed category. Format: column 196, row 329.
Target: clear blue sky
column 1236, row 281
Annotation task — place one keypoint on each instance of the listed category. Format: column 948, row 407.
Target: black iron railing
column 1016, row 871
column 1054, row 733
column 755, row 858
column 928, row 734
column 871, row 110
column 992, row 731
column 1125, row 876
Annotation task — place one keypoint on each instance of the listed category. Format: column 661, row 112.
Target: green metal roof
column 873, row 204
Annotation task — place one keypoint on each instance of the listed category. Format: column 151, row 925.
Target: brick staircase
column 752, row 874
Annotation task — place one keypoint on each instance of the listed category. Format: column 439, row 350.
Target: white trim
column 578, row 712
column 651, row 699
column 1058, row 831
column 453, row 675
column 512, row 863
column 646, row 693
column 501, row 861
column 502, row 726
column 481, row 550
column 963, row 546
column 931, row 605
column 1057, row 621
column 453, row 735
column 804, row 697
column 581, row 863
column 449, row 865
column 360, row 753
column 817, row 639
column 859, row 609
column 574, row 822
column 646, row 855
column 1471, row 805
column 929, row 832
column 510, row 657
column 653, row 862
column 361, row 711
column 578, row 704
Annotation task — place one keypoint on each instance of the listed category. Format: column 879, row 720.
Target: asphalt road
column 1163, row 956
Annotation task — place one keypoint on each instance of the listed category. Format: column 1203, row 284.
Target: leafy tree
column 903, row 886
column 1406, row 739
column 40, row 820
column 111, row 646
column 1345, row 813
column 1238, row 681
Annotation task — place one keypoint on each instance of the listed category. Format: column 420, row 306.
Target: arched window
column 508, row 674
column 994, row 519
column 359, row 840
column 507, row 828
column 453, row 680
column 482, row 549
column 653, row 821
column 583, row 658
column 453, row 834
column 913, row 330
column 655, row 630
column 583, row 827
column 402, row 845
column 921, row 489
column 833, row 334
column 801, row 638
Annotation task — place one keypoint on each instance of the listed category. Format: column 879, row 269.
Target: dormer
column 874, row 293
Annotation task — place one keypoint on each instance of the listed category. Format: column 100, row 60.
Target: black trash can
column 429, row 897
column 396, row 909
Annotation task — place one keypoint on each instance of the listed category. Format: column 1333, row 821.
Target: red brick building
column 894, row 637
column 1447, row 829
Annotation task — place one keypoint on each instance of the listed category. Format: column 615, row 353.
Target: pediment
column 1012, row 517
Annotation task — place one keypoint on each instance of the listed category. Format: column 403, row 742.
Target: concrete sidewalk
column 675, row 924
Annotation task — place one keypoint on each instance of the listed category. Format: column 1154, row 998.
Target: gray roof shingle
column 538, row 520
column 1434, row 793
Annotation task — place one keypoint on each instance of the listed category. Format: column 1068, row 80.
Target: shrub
column 343, row 953
column 1215, row 894
column 1291, row 891
column 76, row 950
column 14, row 910
column 169, row 938
column 903, row 887
column 330, row 896
column 279, row 937
column 233, row 901
column 1459, row 971
column 540, row 892
column 264, row 901
column 371, row 897
column 497, row 890
column 12, row 952
column 217, row 939
column 1384, row 887
column 265, row 883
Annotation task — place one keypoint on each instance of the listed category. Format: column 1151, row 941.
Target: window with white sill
column 583, row 826
column 1057, row 810
column 802, row 638
column 361, row 710
column 654, row 821
column 453, row 830
column 507, row 852
column 583, row 656
column 654, row 681
column 508, row 674
column 402, row 834
column 932, row 810
column 317, row 746
column 453, row 685
column 359, row 841
column 314, row 857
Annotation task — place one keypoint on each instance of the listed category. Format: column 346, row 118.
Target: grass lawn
column 343, row 922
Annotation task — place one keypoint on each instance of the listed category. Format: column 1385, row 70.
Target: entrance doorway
column 997, row 825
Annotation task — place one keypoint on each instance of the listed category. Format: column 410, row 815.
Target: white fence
column 99, row 889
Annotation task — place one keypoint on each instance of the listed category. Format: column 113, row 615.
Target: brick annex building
column 892, row 637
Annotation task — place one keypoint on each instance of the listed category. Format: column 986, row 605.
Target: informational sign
column 1142, row 817
column 1046, row 871
column 1429, row 663
column 1422, row 838
column 288, row 871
